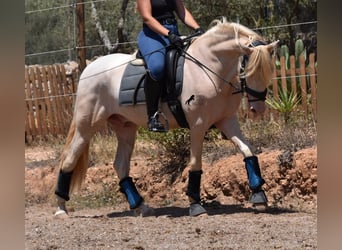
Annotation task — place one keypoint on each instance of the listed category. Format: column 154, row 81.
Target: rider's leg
column 153, row 48
column 152, row 93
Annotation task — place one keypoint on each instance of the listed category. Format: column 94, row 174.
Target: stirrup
column 155, row 125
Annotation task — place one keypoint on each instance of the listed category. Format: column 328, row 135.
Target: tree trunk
column 103, row 34
column 122, row 37
column 81, row 51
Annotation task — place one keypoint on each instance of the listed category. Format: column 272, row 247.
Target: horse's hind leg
column 232, row 131
column 72, row 168
column 126, row 135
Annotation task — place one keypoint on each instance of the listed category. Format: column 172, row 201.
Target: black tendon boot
column 194, row 192
column 63, row 185
column 152, row 93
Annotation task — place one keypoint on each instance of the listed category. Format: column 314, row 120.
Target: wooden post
column 303, row 84
column 312, row 72
column 81, row 51
column 283, row 74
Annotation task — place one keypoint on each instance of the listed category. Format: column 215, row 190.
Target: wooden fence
column 50, row 95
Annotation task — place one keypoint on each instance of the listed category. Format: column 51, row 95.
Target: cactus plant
column 299, row 50
column 284, row 51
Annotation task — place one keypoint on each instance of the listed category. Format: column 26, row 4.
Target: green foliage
column 285, row 104
column 174, row 146
column 48, row 30
column 50, row 25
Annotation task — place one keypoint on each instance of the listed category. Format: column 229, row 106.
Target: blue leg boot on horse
column 258, row 196
column 128, row 188
column 135, row 201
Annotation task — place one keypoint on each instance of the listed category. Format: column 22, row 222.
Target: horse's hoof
column 196, row 209
column 258, row 197
column 144, row 211
column 260, row 207
column 259, row 200
column 61, row 214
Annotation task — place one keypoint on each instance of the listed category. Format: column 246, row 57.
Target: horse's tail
column 81, row 166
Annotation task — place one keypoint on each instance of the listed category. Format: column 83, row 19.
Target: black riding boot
column 152, row 94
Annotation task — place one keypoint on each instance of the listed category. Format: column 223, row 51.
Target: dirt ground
column 290, row 222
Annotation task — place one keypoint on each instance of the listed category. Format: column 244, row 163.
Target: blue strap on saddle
column 253, row 172
column 128, row 188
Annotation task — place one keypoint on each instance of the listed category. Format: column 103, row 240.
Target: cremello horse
column 212, row 77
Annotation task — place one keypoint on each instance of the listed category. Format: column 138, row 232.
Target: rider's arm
column 185, row 15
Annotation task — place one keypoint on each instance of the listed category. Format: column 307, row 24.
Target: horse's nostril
column 253, row 110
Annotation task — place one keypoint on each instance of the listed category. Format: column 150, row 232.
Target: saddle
column 132, row 84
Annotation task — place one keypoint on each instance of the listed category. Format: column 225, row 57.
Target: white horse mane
column 222, row 27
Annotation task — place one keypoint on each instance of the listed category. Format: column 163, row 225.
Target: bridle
column 258, row 95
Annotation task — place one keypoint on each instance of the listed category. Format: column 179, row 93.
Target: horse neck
column 221, row 55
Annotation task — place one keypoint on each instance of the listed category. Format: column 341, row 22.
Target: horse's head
column 228, row 42
column 257, row 74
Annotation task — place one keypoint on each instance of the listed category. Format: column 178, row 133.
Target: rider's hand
column 174, row 39
column 199, row 31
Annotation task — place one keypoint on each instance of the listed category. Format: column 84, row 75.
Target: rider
column 159, row 30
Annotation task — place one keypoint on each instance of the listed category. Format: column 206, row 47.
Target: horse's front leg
column 231, row 129
column 195, row 172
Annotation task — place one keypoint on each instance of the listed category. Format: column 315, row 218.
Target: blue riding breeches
column 153, row 48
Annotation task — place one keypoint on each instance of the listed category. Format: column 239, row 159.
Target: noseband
column 258, row 95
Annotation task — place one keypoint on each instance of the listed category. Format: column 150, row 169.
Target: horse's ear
column 247, row 50
column 272, row 46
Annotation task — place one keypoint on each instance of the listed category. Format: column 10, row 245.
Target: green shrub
column 285, row 104
column 172, row 148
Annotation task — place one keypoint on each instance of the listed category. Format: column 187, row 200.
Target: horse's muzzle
column 257, row 108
